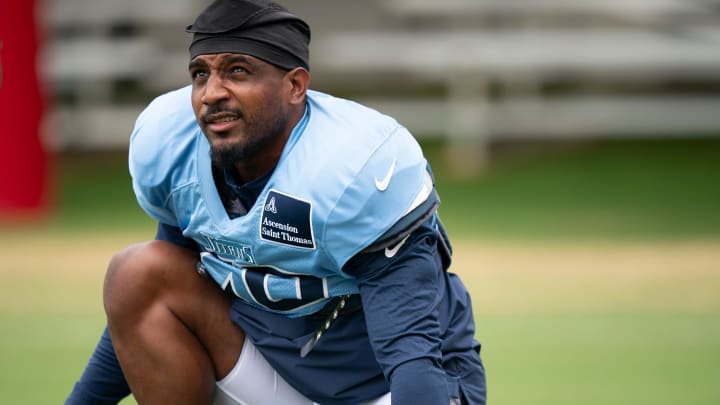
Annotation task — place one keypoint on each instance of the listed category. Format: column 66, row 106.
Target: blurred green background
column 594, row 269
column 644, row 189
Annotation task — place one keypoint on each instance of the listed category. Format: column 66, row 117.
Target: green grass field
column 595, row 272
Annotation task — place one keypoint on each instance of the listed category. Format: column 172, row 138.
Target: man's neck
column 260, row 164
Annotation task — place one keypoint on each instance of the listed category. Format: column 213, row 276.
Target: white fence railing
column 96, row 44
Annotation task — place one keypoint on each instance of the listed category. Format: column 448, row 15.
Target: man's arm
column 102, row 381
column 400, row 297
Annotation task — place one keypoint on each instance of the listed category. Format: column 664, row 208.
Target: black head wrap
column 258, row 28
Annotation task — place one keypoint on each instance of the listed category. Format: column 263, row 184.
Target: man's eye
column 197, row 74
column 238, row 69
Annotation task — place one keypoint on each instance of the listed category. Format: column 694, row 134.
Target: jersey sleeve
column 389, row 188
column 422, row 209
column 161, row 152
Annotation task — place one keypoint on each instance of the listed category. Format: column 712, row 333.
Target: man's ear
column 299, row 80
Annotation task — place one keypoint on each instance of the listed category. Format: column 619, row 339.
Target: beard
column 258, row 138
column 225, row 156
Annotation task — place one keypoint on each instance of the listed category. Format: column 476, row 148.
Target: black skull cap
column 258, row 28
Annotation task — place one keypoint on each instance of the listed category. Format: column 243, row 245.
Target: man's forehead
column 220, row 58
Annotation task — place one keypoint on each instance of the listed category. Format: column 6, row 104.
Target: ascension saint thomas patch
column 286, row 220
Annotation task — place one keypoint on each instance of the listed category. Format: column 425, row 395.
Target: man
column 299, row 258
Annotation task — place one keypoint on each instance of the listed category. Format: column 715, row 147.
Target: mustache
column 215, row 111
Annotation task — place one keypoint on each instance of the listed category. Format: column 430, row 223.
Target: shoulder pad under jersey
column 161, row 151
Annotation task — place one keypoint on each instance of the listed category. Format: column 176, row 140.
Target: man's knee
column 158, row 282
column 140, row 274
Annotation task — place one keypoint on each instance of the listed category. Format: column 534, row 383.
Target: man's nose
column 215, row 90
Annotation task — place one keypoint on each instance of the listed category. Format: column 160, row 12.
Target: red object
column 23, row 159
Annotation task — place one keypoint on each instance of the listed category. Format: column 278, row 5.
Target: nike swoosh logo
column 382, row 185
column 391, row 252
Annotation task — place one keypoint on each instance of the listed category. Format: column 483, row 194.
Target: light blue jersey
column 346, row 175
